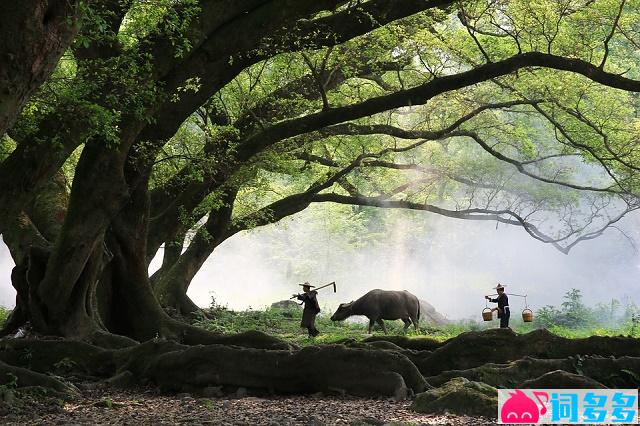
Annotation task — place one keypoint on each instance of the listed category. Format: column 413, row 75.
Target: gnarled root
column 612, row 372
column 473, row 349
column 24, row 378
column 312, row 369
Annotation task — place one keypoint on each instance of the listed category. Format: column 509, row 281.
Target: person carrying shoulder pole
column 311, row 309
column 503, row 305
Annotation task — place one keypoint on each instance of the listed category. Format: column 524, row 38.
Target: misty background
column 450, row 263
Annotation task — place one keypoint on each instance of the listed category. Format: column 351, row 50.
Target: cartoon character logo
column 520, row 409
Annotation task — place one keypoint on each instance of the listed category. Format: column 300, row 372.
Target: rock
column 285, row 305
column 459, row 396
column 184, row 395
column 560, row 379
column 430, row 316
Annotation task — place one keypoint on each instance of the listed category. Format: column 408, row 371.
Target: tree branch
column 422, row 93
column 610, row 36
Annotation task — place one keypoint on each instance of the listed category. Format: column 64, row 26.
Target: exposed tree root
column 107, row 340
column 623, row 372
column 611, row 372
column 374, row 368
column 414, row 355
column 416, row 343
column 560, row 379
column 136, row 360
column 312, row 369
column 505, row 375
column 176, row 367
column 24, row 378
column 191, row 335
column 473, row 349
column 52, row 355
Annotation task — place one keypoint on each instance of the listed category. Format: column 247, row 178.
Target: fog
column 450, row 263
column 7, row 294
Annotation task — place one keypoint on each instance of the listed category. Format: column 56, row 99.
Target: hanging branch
column 610, row 36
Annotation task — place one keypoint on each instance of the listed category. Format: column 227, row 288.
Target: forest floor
column 439, row 354
column 146, row 407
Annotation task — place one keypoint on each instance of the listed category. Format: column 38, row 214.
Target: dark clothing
column 311, row 309
column 503, row 309
column 504, row 319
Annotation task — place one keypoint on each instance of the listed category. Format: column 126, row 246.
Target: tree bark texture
column 33, row 36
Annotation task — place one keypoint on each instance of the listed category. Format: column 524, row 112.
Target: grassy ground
column 285, row 323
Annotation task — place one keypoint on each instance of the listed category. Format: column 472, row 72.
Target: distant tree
column 607, row 313
column 548, row 316
column 575, row 313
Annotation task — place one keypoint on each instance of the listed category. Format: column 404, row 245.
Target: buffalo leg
column 371, row 322
column 415, row 320
column 381, row 324
column 407, row 323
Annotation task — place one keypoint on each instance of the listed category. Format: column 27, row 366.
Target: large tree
column 179, row 123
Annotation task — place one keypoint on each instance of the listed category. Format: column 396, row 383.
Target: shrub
column 4, row 315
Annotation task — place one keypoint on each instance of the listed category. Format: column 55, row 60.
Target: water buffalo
column 379, row 305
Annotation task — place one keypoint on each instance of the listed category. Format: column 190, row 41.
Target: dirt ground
column 140, row 407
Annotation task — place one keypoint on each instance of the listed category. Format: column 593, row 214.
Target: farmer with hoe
column 311, row 309
column 503, row 305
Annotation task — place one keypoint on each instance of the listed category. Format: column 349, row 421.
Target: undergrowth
column 285, row 323
column 4, row 314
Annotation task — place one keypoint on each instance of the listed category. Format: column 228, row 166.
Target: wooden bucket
column 527, row 315
column 487, row 314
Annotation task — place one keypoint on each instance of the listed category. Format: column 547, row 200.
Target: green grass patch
column 4, row 315
column 285, row 323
